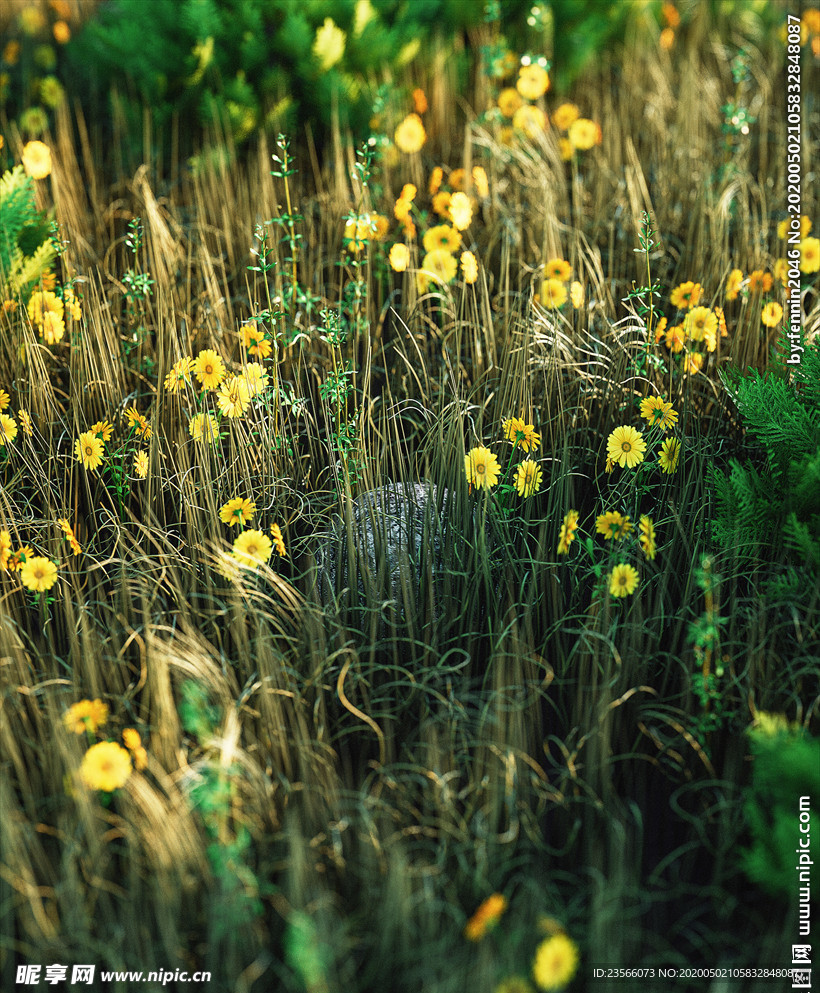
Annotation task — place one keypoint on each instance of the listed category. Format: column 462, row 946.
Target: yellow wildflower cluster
column 695, row 331
column 455, row 199
column 231, row 393
column 520, row 106
column 554, row 292
column 483, row 470
column 106, row 765
column 251, row 548
column 37, row 573
column 362, row 229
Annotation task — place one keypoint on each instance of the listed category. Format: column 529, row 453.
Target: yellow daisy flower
column 8, row 429
column 68, row 531
column 180, row 375
column 399, row 257
column 509, row 100
column 760, row 281
column 237, row 511
column 686, row 295
column 481, row 468
column 441, row 203
column 38, row 573
column 481, row 183
column 252, row 548
column 106, row 766
column 133, row 743
column 772, row 314
column 410, row 135
column 469, row 267
column 86, row 715
column 89, row 449
column 565, row 115
column 557, row 269
column 233, row 397
column 138, row 422
column 733, row 284
column 26, row 425
column 204, row 427
column 692, row 363
column 647, row 537
column 613, row 525
column 461, row 211
column 209, row 369
column 486, row 917
column 656, row 410
column 36, row 159
column 528, row 478
column 102, row 429
column 584, row 134
column 442, row 236
column 668, row 455
column 524, row 435
column 254, row 340
column 278, row 540
column 5, row 550
column 533, row 81
column 255, row 378
column 553, row 294
column 531, row 120
column 23, row 554
column 141, row 463
column 675, row 338
column 701, row 324
column 623, row 580
column 436, row 266
column 626, row 447
column 567, row 533
column 556, row 962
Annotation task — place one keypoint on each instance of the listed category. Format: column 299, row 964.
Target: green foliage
column 26, row 251
column 705, row 633
column 571, row 32
column 305, row 953
column 137, row 291
column 246, row 66
column 213, row 795
column 775, row 500
column 786, row 767
column 644, row 296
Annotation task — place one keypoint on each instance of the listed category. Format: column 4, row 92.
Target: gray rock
column 388, row 547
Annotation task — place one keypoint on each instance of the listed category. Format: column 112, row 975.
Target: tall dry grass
column 332, row 789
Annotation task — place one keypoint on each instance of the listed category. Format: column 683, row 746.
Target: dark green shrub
column 768, row 507
column 786, row 767
column 245, row 65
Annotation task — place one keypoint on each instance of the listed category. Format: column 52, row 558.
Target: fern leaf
column 25, row 270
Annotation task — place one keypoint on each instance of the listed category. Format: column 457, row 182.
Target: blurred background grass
column 332, row 788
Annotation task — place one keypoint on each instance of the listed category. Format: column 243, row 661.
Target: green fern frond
column 745, row 514
column 17, row 210
column 26, row 251
column 802, row 538
column 26, row 270
column 774, row 414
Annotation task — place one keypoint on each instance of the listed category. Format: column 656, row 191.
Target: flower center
column 626, row 446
